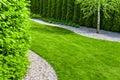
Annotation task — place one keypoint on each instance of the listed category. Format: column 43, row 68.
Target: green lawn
column 75, row 57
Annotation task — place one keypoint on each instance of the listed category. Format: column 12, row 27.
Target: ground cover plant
column 55, row 21
column 75, row 57
column 14, row 39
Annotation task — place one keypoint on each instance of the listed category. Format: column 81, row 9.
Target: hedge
column 53, row 8
column 41, row 7
column 64, row 10
column 49, row 9
column 59, row 9
column 45, row 8
column 76, row 15
column 69, row 11
column 14, row 39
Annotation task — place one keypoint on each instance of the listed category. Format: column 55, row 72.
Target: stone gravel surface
column 89, row 32
column 39, row 69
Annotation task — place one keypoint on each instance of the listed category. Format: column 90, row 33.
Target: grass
column 75, row 57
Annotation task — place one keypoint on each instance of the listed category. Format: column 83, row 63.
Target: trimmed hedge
column 45, row 8
column 59, row 9
column 53, row 8
column 69, row 11
column 49, row 9
column 76, row 13
column 40, row 6
column 14, row 39
column 64, row 10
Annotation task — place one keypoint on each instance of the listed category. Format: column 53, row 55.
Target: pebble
column 39, row 69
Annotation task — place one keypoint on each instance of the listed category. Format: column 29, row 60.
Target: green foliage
column 55, row 21
column 49, row 8
column 41, row 7
column 76, row 13
column 53, row 9
column 33, row 6
column 59, row 9
column 89, row 7
column 70, row 10
column 83, row 13
column 14, row 39
column 107, row 7
column 36, row 6
column 94, row 19
column 64, row 10
column 45, row 8
column 116, row 20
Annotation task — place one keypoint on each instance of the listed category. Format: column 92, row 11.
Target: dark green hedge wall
column 49, row 9
column 64, row 10
column 45, row 8
column 40, row 7
column 76, row 15
column 59, row 9
column 14, row 39
column 69, row 11
column 53, row 8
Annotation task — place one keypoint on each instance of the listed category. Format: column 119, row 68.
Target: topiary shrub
column 14, row 39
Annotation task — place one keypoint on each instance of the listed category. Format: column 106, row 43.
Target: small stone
column 39, row 69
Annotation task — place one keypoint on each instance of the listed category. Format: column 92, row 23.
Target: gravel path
column 39, row 69
column 89, row 32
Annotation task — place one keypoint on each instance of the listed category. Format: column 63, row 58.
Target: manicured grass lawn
column 75, row 57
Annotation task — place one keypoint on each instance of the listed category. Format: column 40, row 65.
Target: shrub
column 14, row 39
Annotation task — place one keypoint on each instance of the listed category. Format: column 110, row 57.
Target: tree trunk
column 98, row 21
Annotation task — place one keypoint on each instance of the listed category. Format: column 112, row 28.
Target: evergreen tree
column 59, row 9
column 49, row 8
column 37, row 6
column 64, row 9
column 45, row 8
column 53, row 9
column 70, row 10
column 41, row 7
column 76, row 13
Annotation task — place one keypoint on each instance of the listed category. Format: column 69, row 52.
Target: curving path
column 89, row 32
column 39, row 69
